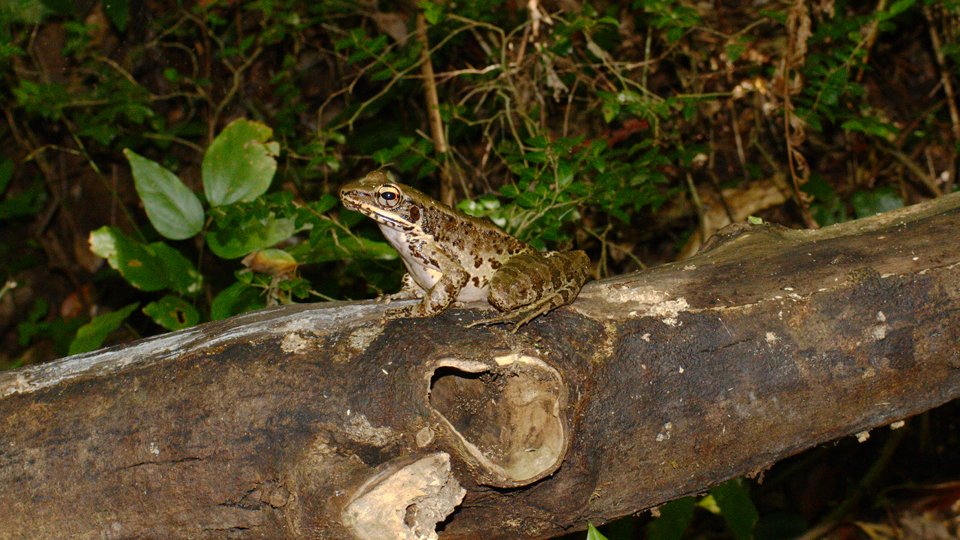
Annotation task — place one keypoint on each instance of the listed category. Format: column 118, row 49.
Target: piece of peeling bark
column 322, row 421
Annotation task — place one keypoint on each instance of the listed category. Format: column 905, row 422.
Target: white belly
column 426, row 275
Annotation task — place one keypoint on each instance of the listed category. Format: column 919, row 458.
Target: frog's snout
column 346, row 197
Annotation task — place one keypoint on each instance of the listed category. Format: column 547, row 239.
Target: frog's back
column 476, row 244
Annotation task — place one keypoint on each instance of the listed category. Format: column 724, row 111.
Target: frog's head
column 380, row 197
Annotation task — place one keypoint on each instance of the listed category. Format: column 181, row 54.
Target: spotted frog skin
column 451, row 256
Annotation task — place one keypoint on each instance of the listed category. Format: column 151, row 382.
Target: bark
column 322, row 421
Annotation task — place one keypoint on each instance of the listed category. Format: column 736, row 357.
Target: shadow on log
column 321, row 421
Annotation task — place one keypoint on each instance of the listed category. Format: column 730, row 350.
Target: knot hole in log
column 507, row 416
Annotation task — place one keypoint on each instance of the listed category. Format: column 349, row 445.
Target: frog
column 451, row 257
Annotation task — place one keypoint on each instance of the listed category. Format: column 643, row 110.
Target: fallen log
column 323, row 421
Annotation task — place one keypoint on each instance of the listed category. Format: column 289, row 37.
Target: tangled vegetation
column 167, row 163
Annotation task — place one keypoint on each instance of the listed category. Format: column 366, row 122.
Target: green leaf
column 432, row 11
column 6, row 174
column 324, row 203
column 148, row 267
column 134, row 262
column 118, row 11
column 24, row 203
column 737, row 509
column 172, row 313
column 674, row 518
column 900, row 6
column 352, row 247
column 235, row 299
column 59, row 330
column 22, row 11
column 610, row 110
column 239, row 165
column 180, row 274
column 868, row 203
column 593, row 533
column 92, row 335
column 250, row 236
column 172, row 208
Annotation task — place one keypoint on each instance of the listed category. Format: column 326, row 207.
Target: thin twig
column 433, row 110
column 946, row 82
column 871, row 38
column 928, row 181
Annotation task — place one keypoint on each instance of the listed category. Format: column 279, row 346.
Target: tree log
column 323, row 421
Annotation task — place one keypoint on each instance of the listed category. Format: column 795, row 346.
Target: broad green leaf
column 91, row 335
column 149, row 267
column 180, row 273
column 593, row 533
column 235, row 299
column 736, row 507
column 239, row 165
column 251, row 236
column 173, row 209
column 135, row 263
column 675, row 517
column 275, row 262
column 172, row 313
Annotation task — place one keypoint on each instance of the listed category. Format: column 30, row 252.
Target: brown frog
column 452, row 256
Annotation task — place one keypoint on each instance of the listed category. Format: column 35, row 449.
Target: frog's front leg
column 409, row 290
column 532, row 284
column 452, row 279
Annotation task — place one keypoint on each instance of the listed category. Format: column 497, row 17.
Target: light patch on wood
column 405, row 500
column 293, row 344
column 248, row 327
column 511, row 423
column 425, row 436
column 607, row 302
column 665, row 434
column 362, row 337
column 360, row 430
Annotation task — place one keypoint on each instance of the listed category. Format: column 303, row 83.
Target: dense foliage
column 166, row 163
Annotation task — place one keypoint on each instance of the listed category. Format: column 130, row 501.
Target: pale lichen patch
column 361, row 430
column 294, row 344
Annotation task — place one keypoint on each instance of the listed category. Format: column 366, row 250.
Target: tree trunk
column 322, row 421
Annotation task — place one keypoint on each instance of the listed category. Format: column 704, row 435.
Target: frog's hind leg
column 532, row 284
column 522, row 316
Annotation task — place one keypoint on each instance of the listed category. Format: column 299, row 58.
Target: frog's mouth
column 380, row 215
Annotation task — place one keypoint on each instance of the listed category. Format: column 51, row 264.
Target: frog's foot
column 420, row 309
column 409, row 290
column 401, row 295
column 524, row 314
column 400, row 313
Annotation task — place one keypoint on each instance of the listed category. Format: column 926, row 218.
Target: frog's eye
column 388, row 196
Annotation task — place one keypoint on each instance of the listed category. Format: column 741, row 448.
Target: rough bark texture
column 321, row 421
